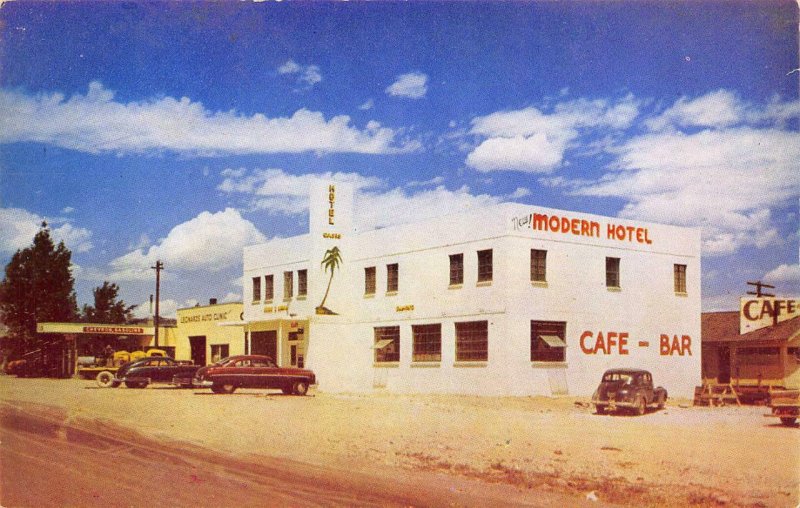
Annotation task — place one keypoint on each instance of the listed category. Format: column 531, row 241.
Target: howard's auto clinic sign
column 756, row 313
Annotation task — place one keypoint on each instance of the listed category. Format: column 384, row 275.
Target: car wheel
column 600, row 410
column 115, row 384
column 227, row 388
column 105, row 379
column 135, row 384
column 662, row 402
column 788, row 420
column 300, row 387
column 639, row 407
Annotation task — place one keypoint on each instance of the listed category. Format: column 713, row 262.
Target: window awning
column 382, row 343
column 553, row 340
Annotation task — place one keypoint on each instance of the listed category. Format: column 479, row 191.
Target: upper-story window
column 288, row 284
column 456, row 269
column 256, row 289
column 369, row 280
column 269, row 287
column 612, row 272
column 392, row 277
column 302, row 282
column 680, row 278
column 538, row 265
column 485, row 265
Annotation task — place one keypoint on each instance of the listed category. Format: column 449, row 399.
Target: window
column 218, row 352
column 302, row 282
column 538, row 265
column 472, row 341
column 456, row 269
column 548, row 341
column 269, row 287
column 256, row 289
column 288, row 285
column 612, row 272
column 392, row 277
column 427, row 343
column 680, row 278
column 387, row 344
column 485, row 265
column 369, row 280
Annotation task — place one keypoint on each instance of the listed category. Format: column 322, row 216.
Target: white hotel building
column 508, row 300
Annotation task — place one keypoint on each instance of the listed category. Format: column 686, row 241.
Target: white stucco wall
column 645, row 307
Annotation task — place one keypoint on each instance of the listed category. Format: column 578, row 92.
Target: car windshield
column 618, row 376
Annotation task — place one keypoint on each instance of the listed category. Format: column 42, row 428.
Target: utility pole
column 159, row 266
column 758, row 292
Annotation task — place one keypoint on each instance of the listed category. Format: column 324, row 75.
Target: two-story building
column 512, row 299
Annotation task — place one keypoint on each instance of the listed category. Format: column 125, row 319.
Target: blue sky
column 182, row 132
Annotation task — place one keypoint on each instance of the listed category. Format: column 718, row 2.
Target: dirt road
column 386, row 449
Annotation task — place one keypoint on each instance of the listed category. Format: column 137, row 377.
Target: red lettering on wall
column 586, row 335
column 680, row 346
column 608, row 344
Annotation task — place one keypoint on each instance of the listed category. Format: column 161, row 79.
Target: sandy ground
column 410, row 450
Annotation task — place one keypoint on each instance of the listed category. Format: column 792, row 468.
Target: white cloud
column 310, row 75
column 210, row 242
column 437, row 180
column 533, row 154
column 718, row 303
column 716, row 109
column 231, row 297
column 520, row 192
column 529, row 140
column 413, row 85
column 18, row 227
column 788, row 274
column 276, row 191
column 726, row 181
column 369, row 104
column 68, row 209
column 96, row 123
column 373, row 206
column 166, row 308
column 279, row 192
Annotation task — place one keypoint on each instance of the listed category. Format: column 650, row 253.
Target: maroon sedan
column 253, row 371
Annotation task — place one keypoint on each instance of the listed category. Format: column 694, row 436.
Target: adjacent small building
column 209, row 333
column 512, row 299
column 757, row 347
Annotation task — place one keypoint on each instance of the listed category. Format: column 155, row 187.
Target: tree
column 330, row 261
column 107, row 309
column 38, row 287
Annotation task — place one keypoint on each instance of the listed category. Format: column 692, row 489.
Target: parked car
column 629, row 389
column 156, row 369
column 253, row 371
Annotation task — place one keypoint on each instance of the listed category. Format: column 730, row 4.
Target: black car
column 155, row 369
column 629, row 389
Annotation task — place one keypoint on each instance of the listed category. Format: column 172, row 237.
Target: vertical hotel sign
column 332, row 203
column 330, row 228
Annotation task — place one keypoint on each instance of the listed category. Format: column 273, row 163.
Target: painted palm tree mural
column 331, row 261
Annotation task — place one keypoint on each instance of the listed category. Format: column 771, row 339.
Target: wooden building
column 755, row 349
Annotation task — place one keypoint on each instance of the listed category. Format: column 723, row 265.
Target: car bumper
column 612, row 404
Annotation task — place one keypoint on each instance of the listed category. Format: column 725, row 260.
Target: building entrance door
column 264, row 343
column 198, row 346
column 724, row 362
